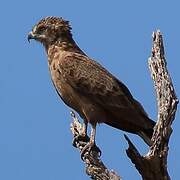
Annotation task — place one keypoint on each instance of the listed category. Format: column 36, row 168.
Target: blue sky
column 35, row 140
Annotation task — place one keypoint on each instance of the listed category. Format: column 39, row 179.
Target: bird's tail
column 146, row 134
column 145, row 137
column 143, row 129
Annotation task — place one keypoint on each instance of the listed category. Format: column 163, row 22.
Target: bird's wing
column 92, row 80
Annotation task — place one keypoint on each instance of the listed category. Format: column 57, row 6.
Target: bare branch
column 94, row 166
column 153, row 166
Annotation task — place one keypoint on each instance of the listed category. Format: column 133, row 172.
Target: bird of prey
column 86, row 86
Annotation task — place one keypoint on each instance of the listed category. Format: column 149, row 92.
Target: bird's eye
column 41, row 29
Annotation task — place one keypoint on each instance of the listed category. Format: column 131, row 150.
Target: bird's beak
column 31, row 36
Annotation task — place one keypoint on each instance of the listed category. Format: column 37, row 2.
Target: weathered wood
column 153, row 166
column 95, row 168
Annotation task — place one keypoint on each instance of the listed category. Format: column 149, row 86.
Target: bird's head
column 49, row 30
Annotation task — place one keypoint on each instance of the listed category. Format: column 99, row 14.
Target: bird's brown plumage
column 87, row 87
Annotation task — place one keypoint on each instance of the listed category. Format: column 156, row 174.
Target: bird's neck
column 65, row 44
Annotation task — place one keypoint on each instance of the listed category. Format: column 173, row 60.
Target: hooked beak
column 31, row 36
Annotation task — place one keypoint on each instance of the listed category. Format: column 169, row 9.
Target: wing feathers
column 92, row 80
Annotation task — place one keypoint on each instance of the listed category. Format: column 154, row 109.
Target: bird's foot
column 80, row 138
column 90, row 148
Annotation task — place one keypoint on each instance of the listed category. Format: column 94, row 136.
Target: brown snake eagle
column 86, row 86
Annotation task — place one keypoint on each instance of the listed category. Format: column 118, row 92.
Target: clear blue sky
column 35, row 140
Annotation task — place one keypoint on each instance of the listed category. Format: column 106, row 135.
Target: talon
column 90, row 147
column 80, row 138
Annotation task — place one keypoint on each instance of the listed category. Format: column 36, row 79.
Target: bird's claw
column 90, row 148
column 78, row 138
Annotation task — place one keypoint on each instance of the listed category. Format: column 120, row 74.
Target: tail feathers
column 146, row 136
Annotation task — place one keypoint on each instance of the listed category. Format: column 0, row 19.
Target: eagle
column 86, row 86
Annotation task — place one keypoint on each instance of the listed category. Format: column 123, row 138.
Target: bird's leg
column 82, row 136
column 93, row 135
column 91, row 145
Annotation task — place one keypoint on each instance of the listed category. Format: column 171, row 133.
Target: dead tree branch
column 153, row 166
column 94, row 166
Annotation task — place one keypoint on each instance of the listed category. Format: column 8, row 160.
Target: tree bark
column 95, row 168
column 152, row 166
